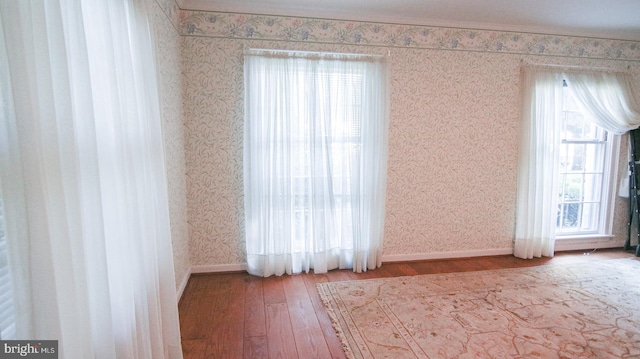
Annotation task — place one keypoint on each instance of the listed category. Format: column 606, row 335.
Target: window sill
column 584, row 236
column 586, row 242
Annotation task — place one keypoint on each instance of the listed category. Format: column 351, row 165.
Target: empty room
column 329, row 179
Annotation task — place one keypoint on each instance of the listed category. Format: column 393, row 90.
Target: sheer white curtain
column 538, row 164
column 83, row 181
column 609, row 99
column 315, row 152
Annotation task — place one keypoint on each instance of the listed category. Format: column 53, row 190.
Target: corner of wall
column 169, row 71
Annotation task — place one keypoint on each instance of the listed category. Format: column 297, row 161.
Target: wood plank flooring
column 236, row 315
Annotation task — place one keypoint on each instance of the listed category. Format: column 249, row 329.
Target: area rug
column 589, row 310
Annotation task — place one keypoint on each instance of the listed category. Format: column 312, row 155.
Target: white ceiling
column 617, row 19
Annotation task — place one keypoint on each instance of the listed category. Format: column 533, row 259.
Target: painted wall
column 454, row 132
column 168, row 53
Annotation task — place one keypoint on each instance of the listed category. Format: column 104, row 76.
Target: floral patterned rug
column 588, row 310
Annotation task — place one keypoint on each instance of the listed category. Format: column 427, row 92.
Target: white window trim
column 609, row 184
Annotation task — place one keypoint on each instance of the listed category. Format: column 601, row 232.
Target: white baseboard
column 445, row 255
column 207, row 269
column 561, row 245
column 183, row 284
column 217, row 268
column 221, row 268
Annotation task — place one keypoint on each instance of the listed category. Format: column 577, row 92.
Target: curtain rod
column 252, row 51
column 575, row 67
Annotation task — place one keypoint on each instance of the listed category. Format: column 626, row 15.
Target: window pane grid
column 582, row 166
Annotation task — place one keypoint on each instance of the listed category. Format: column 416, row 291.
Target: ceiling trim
column 347, row 32
column 314, row 12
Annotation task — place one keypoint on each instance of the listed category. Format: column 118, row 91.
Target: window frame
column 611, row 160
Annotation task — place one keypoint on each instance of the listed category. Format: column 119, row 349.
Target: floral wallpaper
column 454, row 128
column 168, row 53
column 170, row 9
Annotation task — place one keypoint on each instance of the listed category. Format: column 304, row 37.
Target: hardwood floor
column 236, row 315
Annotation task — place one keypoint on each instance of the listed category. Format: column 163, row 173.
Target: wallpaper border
column 314, row 30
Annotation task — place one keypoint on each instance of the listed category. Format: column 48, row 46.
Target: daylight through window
column 585, row 159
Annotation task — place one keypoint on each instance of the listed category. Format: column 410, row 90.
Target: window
column 342, row 138
column 586, row 153
column 314, row 161
column 566, row 165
